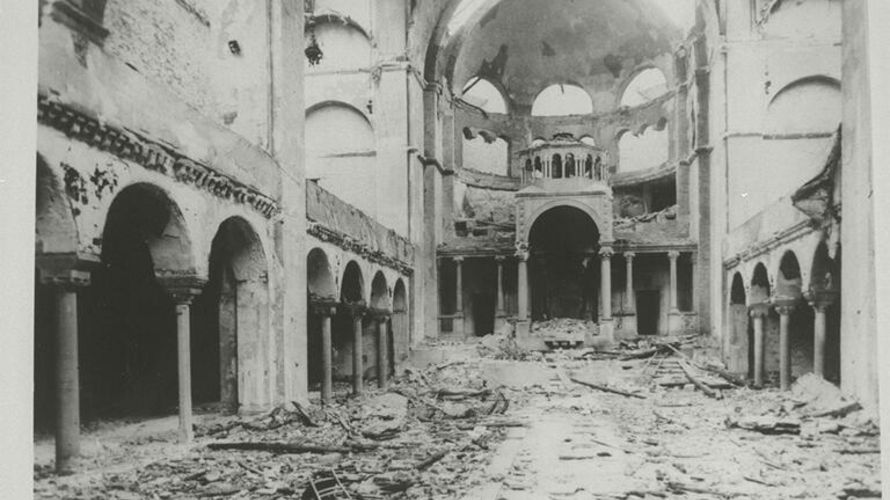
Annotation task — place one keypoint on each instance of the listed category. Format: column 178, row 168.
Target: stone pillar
column 326, row 311
column 459, row 328
column 499, row 313
column 606, row 282
column 522, row 286
column 629, row 289
column 784, row 308
column 758, row 313
column 66, row 283
column 673, row 255
column 183, row 289
column 357, row 311
column 820, row 302
column 381, row 318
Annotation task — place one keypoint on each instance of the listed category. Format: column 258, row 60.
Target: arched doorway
column 564, row 268
column 129, row 349
column 378, row 322
column 230, row 345
column 760, row 311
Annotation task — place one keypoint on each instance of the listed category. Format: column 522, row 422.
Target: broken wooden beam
column 294, row 448
column 432, row 459
column 698, row 383
column 608, row 389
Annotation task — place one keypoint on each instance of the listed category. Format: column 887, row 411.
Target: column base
column 626, row 325
column 675, row 322
column 607, row 330
column 500, row 322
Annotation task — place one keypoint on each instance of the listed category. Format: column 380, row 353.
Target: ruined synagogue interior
column 468, row 249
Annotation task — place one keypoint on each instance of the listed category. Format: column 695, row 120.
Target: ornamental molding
column 151, row 155
column 353, row 245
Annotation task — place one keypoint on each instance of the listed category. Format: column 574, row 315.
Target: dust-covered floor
column 507, row 424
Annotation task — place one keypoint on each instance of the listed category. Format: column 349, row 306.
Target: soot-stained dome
column 529, row 44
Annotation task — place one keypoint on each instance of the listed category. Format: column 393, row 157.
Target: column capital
column 606, row 252
column 458, row 258
column 820, row 300
column 378, row 314
column 500, row 258
column 784, row 309
column 354, row 309
column 758, row 310
column 673, row 254
column 69, row 270
column 70, row 279
column 629, row 255
column 183, row 288
column 324, row 307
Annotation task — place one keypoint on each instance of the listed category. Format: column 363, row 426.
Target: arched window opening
column 570, row 165
column 539, row 169
column 588, row 167
column 562, row 100
column 556, row 167
column 484, row 95
column 645, row 86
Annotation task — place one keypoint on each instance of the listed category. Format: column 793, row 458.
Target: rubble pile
column 427, row 436
column 563, row 326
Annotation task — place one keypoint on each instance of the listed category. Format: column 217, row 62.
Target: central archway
column 563, row 244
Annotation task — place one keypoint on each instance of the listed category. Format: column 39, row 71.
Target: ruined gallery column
column 499, row 311
column 65, row 285
column 758, row 313
column 522, row 285
column 326, row 311
column 629, row 288
column 183, row 290
column 381, row 318
column 784, row 308
column 606, row 282
column 820, row 302
column 458, row 287
column 357, row 312
column 673, row 255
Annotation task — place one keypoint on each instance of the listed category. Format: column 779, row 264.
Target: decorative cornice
column 350, row 244
column 129, row 145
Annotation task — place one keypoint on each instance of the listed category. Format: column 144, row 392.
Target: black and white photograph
column 445, row 249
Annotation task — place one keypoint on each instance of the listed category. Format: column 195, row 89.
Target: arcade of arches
column 291, row 213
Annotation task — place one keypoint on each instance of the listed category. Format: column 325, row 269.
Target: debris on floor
column 649, row 418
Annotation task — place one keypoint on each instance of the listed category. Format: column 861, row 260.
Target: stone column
column 326, row 311
column 629, row 289
column 522, row 285
column 499, row 313
column 820, row 302
column 784, row 307
column 758, row 312
column 458, row 328
column 381, row 318
column 606, row 282
column 183, row 289
column 66, row 284
column 673, row 255
column 357, row 311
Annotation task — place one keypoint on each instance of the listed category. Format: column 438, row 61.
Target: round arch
column 230, row 346
column 56, row 229
column 380, row 298
column 642, row 85
column 320, row 279
column 486, row 94
column 598, row 221
column 788, row 277
column 352, row 284
column 760, row 285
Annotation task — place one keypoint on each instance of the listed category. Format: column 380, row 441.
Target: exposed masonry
column 129, row 145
